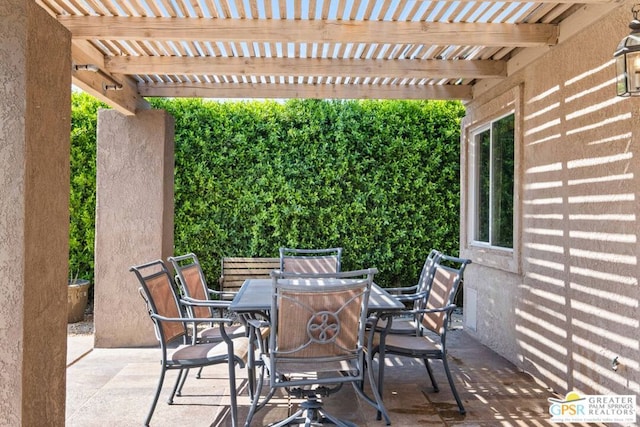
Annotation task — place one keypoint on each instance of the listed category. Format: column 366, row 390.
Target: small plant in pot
column 77, row 298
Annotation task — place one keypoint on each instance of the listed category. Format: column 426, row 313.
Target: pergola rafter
column 376, row 49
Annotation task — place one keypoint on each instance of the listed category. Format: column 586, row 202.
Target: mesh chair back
column 310, row 261
column 426, row 276
column 318, row 324
column 312, row 265
column 193, row 285
column 159, row 293
column 319, row 319
column 443, row 291
column 316, row 341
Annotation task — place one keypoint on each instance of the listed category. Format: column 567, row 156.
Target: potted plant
column 77, row 298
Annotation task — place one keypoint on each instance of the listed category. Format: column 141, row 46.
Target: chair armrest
column 257, row 323
column 221, row 320
column 220, row 305
column 448, row 308
column 402, row 289
column 372, row 321
column 411, row 297
column 213, row 292
column 260, row 330
column 386, row 317
column 204, row 303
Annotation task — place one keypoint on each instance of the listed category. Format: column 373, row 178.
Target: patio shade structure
column 124, row 51
column 575, row 139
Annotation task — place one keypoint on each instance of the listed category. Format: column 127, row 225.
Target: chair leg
column 380, row 383
column 366, row 368
column 427, row 364
column 177, row 387
column 311, row 413
column 232, row 392
column 184, row 379
column 255, row 400
column 452, row 385
column 251, row 379
column 256, row 343
column 340, row 423
column 376, row 387
column 295, row 417
column 199, row 374
column 251, row 365
column 155, row 398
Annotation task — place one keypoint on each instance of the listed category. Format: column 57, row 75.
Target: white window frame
column 480, row 119
column 475, row 190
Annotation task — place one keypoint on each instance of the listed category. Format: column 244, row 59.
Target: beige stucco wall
column 568, row 304
column 134, row 219
column 35, row 109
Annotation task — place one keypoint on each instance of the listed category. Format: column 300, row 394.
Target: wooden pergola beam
column 316, row 91
column 309, row 67
column 311, row 31
column 125, row 99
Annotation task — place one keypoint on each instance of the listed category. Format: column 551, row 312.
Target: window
column 491, row 182
column 494, row 183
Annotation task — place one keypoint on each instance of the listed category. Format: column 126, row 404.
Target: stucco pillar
column 134, row 219
column 35, row 111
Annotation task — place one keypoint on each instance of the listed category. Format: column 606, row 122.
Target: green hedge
column 379, row 178
column 82, row 203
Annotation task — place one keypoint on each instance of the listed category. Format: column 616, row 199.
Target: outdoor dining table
column 254, row 297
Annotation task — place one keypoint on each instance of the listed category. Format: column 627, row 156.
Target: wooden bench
column 236, row 270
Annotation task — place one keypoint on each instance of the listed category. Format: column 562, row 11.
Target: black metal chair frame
column 414, row 297
column 198, row 298
column 323, row 328
column 198, row 303
column 431, row 340
column 171, row 325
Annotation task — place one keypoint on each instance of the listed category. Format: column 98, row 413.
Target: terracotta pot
column 78, row 293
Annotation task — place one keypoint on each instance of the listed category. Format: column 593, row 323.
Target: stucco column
column 134, row 219
column 35, row 111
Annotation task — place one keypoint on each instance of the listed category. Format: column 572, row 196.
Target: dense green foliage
column 378, row 178
column 82, row 204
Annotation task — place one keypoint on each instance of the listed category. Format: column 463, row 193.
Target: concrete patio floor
column 114, row 387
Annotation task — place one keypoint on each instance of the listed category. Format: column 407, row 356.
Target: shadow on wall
column 577, row 308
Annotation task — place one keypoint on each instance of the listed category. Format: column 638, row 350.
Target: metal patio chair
column 316, row 342
column 158, row 291
column 430, row 341
column 414, row 297
column 310, row 260
column 197, row 301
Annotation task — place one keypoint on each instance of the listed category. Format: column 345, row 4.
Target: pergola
column 123, row 51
